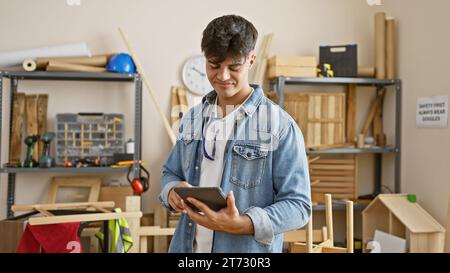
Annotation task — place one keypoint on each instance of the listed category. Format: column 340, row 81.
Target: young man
column 240, row 141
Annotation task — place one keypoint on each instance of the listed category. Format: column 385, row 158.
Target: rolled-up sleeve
column 262, row 225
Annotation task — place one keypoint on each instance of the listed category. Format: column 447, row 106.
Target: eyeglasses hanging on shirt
column 209, row 138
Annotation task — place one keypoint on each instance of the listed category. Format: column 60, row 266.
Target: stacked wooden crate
column 337, row 176
column 292, row 66
column 320, row 116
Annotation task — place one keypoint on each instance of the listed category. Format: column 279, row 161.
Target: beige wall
column 423, row 49
column 165, row 33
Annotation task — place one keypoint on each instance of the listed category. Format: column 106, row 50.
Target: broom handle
column 147, row 84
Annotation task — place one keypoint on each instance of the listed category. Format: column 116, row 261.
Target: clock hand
column 198, row 71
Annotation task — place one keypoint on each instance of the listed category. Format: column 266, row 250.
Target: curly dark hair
column 229, row 35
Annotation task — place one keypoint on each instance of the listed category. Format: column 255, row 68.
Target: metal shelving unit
column 278, row 84
column 15, row 76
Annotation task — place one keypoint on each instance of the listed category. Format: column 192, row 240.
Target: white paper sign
column 432, row 112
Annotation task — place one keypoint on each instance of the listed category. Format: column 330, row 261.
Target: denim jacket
column 265, row 165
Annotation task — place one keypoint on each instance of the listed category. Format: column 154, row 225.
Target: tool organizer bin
column 88, row 136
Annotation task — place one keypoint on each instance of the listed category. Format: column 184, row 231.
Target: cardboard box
column 116, row 194
column 302, row 61
column 10, row 234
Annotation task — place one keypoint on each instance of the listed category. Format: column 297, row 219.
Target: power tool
column 29, row 161
column 46, row 160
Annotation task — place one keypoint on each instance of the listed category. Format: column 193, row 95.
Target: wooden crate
column 320, row 116
column 337, row 176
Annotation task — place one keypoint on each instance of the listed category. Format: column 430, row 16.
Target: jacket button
column 196, row 168
column 249, row 154
column 190, row 224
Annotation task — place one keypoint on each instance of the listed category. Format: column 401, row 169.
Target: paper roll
column 366, row 72
column 380, row 45
column 390, row 49
column 99, row 61
column 29, row 65
column 69, row 50
column 61, row 67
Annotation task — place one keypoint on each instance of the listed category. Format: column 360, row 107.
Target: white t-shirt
column 212, row 170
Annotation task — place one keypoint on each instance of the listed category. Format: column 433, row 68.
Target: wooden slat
column 351, row 113
column 82, row 218
column 331, row 172
column 336, row 161
column 332, row 190
column 44, row 212
column 42, row 105
column 31, row 118
column 338, row 179
column 323, row 184
column 300, row 236
column 333, row 167
column 18, row 208
column 375, row 102
column 133, row 206
column 156, row 231
column 18, row 112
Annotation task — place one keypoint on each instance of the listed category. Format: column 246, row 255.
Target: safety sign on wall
column 432, row 112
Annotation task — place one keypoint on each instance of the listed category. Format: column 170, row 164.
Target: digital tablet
column 213, row 197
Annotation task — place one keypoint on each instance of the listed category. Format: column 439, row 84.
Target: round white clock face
column 194, row 75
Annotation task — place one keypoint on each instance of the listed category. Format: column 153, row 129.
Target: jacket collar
column 250, row 105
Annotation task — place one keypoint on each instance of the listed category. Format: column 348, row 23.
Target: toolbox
column 89, row 136
column 343, row 59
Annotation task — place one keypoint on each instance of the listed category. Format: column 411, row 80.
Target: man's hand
column 226, row 220
column 175, row 200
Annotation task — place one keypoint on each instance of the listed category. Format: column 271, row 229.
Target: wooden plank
column 79, row 205
column 31, row 118
column 156, row 231
column 143, row 246
column 44, row 212
column 133, row 205
column 333, row 167
column 377, row 127
column 335, row 183
column 326, row 120
column 329, row 217
column 324, row 125
column 344, row 196
column 160, row 243
column 175, row 112
column 100, row 209
column 18, row 113
column 82, row 218
column 334, row 249
column 300, row 236
column 349, row 226
column 331, row 173
column 42, row 105
column 332, row 190
column 375, row 102
column 335, row 161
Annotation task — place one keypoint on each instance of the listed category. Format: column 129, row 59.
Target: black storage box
column 343, row 59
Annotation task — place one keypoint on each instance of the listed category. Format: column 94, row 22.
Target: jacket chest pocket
column 248, row 165
column 187, row 141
